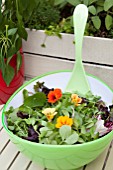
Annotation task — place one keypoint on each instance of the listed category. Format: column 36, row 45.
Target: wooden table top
column 12, row 159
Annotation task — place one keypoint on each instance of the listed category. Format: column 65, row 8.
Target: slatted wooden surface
column 12, row 159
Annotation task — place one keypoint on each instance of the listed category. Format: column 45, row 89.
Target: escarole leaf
column 35, row 100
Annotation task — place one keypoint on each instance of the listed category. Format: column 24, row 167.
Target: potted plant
column 12, row 31
column 97, row 46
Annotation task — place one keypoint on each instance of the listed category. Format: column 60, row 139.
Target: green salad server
column 78, row 81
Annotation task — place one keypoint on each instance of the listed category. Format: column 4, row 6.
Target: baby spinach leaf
column 35, row 100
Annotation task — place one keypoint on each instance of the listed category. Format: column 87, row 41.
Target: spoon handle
column 79, row 18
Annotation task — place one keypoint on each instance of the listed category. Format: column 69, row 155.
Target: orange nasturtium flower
column 64, row 120
column 75, row 99
column 54, row 95
column 49, row 113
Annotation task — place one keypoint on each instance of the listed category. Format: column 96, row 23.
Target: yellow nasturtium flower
column 75, row 99
column 64, row 120
column 49, row 113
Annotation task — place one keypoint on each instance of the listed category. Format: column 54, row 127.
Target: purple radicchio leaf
column 111, row 112
column 46, row 90
column 22, row 115
column 32, row 135
column 103, row 108
column 39, row 87
column 84, row 100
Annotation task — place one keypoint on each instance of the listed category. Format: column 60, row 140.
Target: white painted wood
column 20, row 163
column 98, row 163
column 34, row 166
column 97, row 50
column 109, row 165
column 37, row 65
column 4, row 138
column 0, row 119
column 1, row 107
column 8, row 155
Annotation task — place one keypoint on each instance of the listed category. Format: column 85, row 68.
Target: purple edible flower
column 109, row 125
column 103, row 127
column 100, row 128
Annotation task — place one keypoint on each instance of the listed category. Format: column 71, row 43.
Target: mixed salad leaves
column 50, row 116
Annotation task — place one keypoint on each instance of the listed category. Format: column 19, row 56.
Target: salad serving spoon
column 78, row 80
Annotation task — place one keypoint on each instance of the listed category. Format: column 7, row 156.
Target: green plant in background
column 59, row 18
column 12, row 31
column 100, row 20
column 43, row 15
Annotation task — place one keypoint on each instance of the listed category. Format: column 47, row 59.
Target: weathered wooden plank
column 1, row 106
column 95, row 49
column 20, row 163
column 8, row 156
column 4, row 138
column 0, row 120
column 34, row 166
column 109, row 164
column 37, row 65
column 98, row 163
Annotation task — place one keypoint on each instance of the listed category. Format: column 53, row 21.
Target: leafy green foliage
column 30, row 122
column 65, row 131
column 9, row 74
column 108, row 4
column 100, row 19
column 96, row 21
column 19, row 61
column 43, row 15
column 108, row 22
column 35, row 100
column 12, row 31
column 92, row 9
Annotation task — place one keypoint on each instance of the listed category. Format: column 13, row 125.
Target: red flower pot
column 7, row 91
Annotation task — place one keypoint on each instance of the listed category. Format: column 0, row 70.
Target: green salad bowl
column 60, row 157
